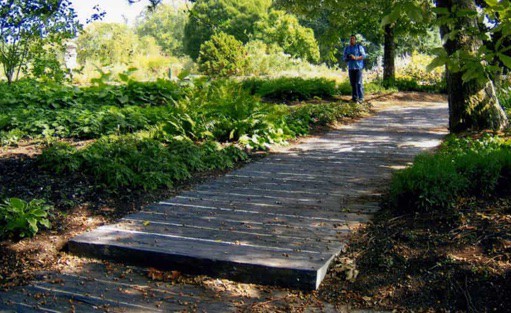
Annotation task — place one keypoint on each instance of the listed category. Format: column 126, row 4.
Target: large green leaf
column 505, row 59
column 17, row 204
column 491, row 3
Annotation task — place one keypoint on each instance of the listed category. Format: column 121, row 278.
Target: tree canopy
column 26, row 23
column 166, row 24
column 233, row 17
column 285, row 31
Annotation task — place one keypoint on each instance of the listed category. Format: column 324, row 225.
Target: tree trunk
column 472, row 104
column 389, row 56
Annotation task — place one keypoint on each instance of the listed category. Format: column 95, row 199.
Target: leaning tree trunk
column 473, row 104
column 389, row 56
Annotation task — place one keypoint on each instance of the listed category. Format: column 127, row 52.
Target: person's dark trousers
column 357, row 89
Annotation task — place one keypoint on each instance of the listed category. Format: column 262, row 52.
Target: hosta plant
column 19, row 218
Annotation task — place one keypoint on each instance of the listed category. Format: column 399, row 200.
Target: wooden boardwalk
column 280, row 220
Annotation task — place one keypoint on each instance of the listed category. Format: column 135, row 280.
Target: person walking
column 354, row 55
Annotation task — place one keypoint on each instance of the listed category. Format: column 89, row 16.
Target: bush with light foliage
column 222, row 55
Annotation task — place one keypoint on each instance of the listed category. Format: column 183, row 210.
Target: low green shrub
column 60, row 157
column 482, row 171
column 432, row 183
column 19, row 218
column 411, row 84
column 34, row 110
column 222, row 56
column 371, row 87
column 463, row 167
column 134, row 162
column 291, row 88
column 303, row 117
column 26, row 93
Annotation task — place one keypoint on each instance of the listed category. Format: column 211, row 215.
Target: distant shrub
column 263, row 59
column 413, row 84
column 291, row 88
column 223, row 55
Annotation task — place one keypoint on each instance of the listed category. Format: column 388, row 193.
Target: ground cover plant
column 36, row 110
column 21, row 219
column 447, row 247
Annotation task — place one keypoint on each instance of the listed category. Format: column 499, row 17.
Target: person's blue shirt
column 357, row 50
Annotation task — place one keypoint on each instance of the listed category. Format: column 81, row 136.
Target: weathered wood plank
column 294, row 227
column 65, row 293
column 265, row 265
column 276, row 208
column 226, row 234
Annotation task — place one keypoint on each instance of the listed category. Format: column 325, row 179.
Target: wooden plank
column 240, row 221
column 331, row 202
column 311, row 176
column 316, row 231
column 224, row 234
column 326, row 200
column 64, row 293
column 276, row 208
column 276, row 266
column 349, row 187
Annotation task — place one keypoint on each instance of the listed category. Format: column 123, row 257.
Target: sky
column 116, row 10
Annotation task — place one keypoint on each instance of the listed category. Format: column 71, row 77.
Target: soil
column 427, row 263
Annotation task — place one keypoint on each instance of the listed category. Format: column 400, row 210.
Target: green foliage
column 233, row 17
column 22, row 219
column 155, row 134
column 414, row 75
column 463, row 167
column 372, row 87
column 222, row 56
column 46, row 62
column 303, row 118
column 107, row 43
column 291, row 88
column 234, row 113
column 412, row 84
column 136, row 162
column 285, row 31
column 25, row 24
column 166, row 24
column 61, row 158
column 477, row 62
column 105, row 48
column 504, row 96
column 432, row 183
column 35, row 110
column 332, row 20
